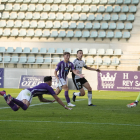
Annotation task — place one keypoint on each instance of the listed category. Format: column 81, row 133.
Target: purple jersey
column 40, row 89
column 64, row 68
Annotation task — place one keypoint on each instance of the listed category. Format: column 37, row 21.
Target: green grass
column 109, row 120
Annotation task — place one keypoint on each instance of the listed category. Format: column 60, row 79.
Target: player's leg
column 57, row 91
column 134, row 104
column 88, row 87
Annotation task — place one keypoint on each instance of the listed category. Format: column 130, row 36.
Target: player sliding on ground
column 63, row 67
column 134, row 104
column 24, row 98
column 80, row 82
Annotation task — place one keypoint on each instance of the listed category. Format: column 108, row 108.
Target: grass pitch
column 109, row 120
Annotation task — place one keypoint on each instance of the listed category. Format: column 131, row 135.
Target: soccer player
column 80, row 82
column 135, row 103
column 63, row 67
column 24, row 98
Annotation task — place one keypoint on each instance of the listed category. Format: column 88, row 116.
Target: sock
column 67, row 97
column 12, row 105
column 20, row 103
column 138, row 98
column 77, row 94
column 89, row 97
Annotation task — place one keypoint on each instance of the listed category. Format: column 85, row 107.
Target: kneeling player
column 24, row 98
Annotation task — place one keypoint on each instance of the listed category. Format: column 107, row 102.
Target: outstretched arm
column 89, row 68
column 40, row 97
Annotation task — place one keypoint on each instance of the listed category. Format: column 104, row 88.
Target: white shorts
column 25, row 94
column 61, row 82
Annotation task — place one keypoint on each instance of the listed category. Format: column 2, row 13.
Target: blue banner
column 1, row 77
column 29, row 81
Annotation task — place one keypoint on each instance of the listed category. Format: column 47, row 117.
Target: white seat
column 19, row 1
column 83, row 17
column 13, row 15
column 39, row 7
column 106, row 61
column 34, row 1
column 75, row 16
column 24, row 7
column 62, row 8
column 67, row 16
column 64, row 1
column 72, row 1
column 101, row 51
column 10, row 23
column 8, row 7
column 41, row 1
column 2, row 7
column 49, row 1
column 28, row 15
column 36, row 15
column 31, row 7
column 30, row 32
column 46, row 33
column 70, row 8
column 14, row 32
column 51, row 16
column 56, row 24
column 2, row 23
column 26, row 1
column 88, row 1
column 25, row 24
column 57, row 1
column 44, row 16
column 59, row 16
column 65, row 25
column 1, row 32
column 85, row 8
column 16, row 7
column 21, row 15
column 54, row 8
column 38, row 33
column 5, row 15
column 77, row 8
column 109, row 51
column 41, row 24
column 22, row 32
column 49, row 24
column 18, row 24
column 47, row 8
column 6, row 32
column 54, row 33
column 33, row 24
column 93, row 8
column 80, row 1
column 11, row 1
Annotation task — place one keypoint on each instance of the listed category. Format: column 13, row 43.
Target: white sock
column 77, row 94
column 89, row 97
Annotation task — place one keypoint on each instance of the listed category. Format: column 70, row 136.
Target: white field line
column 40, row 104
column 90, row 123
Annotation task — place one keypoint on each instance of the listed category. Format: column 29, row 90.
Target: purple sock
column 20, row 103
column 67, row 96
column 12, row 105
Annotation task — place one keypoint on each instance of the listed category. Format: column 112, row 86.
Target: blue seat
column 91, row 17
column 109, row 9
column 128, row 26
column 55, row 60
column 135, row 1
column 119, row 1
column 10, row 50
column 106, row 17
column 93, row 34
column 54, row 34
column 98, row 17
column 120, row 26
column 59, row 50
column 51, row 50
column 39, row 60
column 26, row 50
column 72, row 26
column 75, row 50
column 102, row 34
column 68, row 50
column 18, row 50
column 125, row 9
column 31, row 60
column 112, row 26
column 70, row 34
column 126, row 35
column 78, row 34
column 34, row 50
column 43, row 50
column 96, row 26
column 86, row 34
column 47, row 60
column 111, row 1
column 118, row 34
column 122, row 17
column 114, row 17
column 130, row 17
column 0, row 58
column 117, row 9
column 62, row 34
column 88, row 26
column 104, row 26
column 127, row 1
column 14, row 59
column 110, row 34
column 6, row 59
column 22, row 59
column 80, row 26
column 133, row 9
column 101, row 9
column 2, row 49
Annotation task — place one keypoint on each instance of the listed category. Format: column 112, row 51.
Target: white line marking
column 24, row 121
column 40, row 104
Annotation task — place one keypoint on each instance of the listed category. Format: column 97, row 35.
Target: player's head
column 66, row 56
column 48, row 80
column 80, row 54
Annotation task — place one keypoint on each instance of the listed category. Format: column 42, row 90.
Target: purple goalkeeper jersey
column 64, row 68
column 40, row 89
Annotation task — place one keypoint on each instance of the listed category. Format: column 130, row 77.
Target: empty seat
column 103, row 1
column 98, row 61
column 47, row 8
column 104, row 26
column 33, row 24
column 120, row 26
column 49, row 1
column 80, row 1
column 88, row 26
column 51, row 50
column 22, row 32
column 86, row 34
column 98, row 17
column 26, row 1
column 34, row 1
column 38, row 33
column 125, row 9
column 26, row 50
column 93, row 8
column 39, row 60
column 17, row 24
column 96, row 26
column 122, row 17
column 31, row 59
column 85, row 8
column 96, row 1
column 68, row 50
column 106, row 61
column 117, row 9
column 1, row 32
column 23, row 7
column 31, row 7
column 80, row 26
column 88, row 1
column 101, row 9
column 43, row 50
column 5, row 15
column 89, row 61
column 126, row 35
column 110, row 34
column 47, row 60
column 83, row 17
column 93, row 34
column 85, row 50
column 18, row 50
column 78, row 34
column 6, row 32
column 111, row 1
column 115, row 61
column 118, row 52
column 55, row 60
column 127, row 1
column 75, row 50
column 77, row 8
column 57, row 1
column 30, row 33
column 2, row 23
column 2, row 49
column 109, row 9
column 49, row 24
column 23, row 59
column 72, row 25
column 54, row 34
column 2, row 7
column 106, row 17
column 54, row 8
column 36, row 16
column 70, row 34
column 135, row 1
column 114, row 17
column 19, row 1
column 109, row 52
column 70, row 8
column 59, row 50
column 28, row 15
column 8, row 7
column 67, row 16
column 92, row 51
column 14, row 32
column 91, row 17
column 64, row 1
column 39, row 7
column 130, row 17
column 62, row 34
column 25, row 24
column 14, row 59
column 51, row 16
column 72, row 1
column 56, row 24
column 75, row 16
column 119, row 1
column 64, row 25
column 44, row 16
column 118, row 34
column 128, row 26
column 10, row 23
column 21, row 15
column 6, row 59
column 13, row 15
column 112, row 26
column 34, row 50
column 46, row 33
column 101, row 51
column 133, row 9
column 59, row 16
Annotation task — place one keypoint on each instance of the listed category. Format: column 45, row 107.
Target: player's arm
column 40, row 97
column 89, row 68
column 56, row 70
